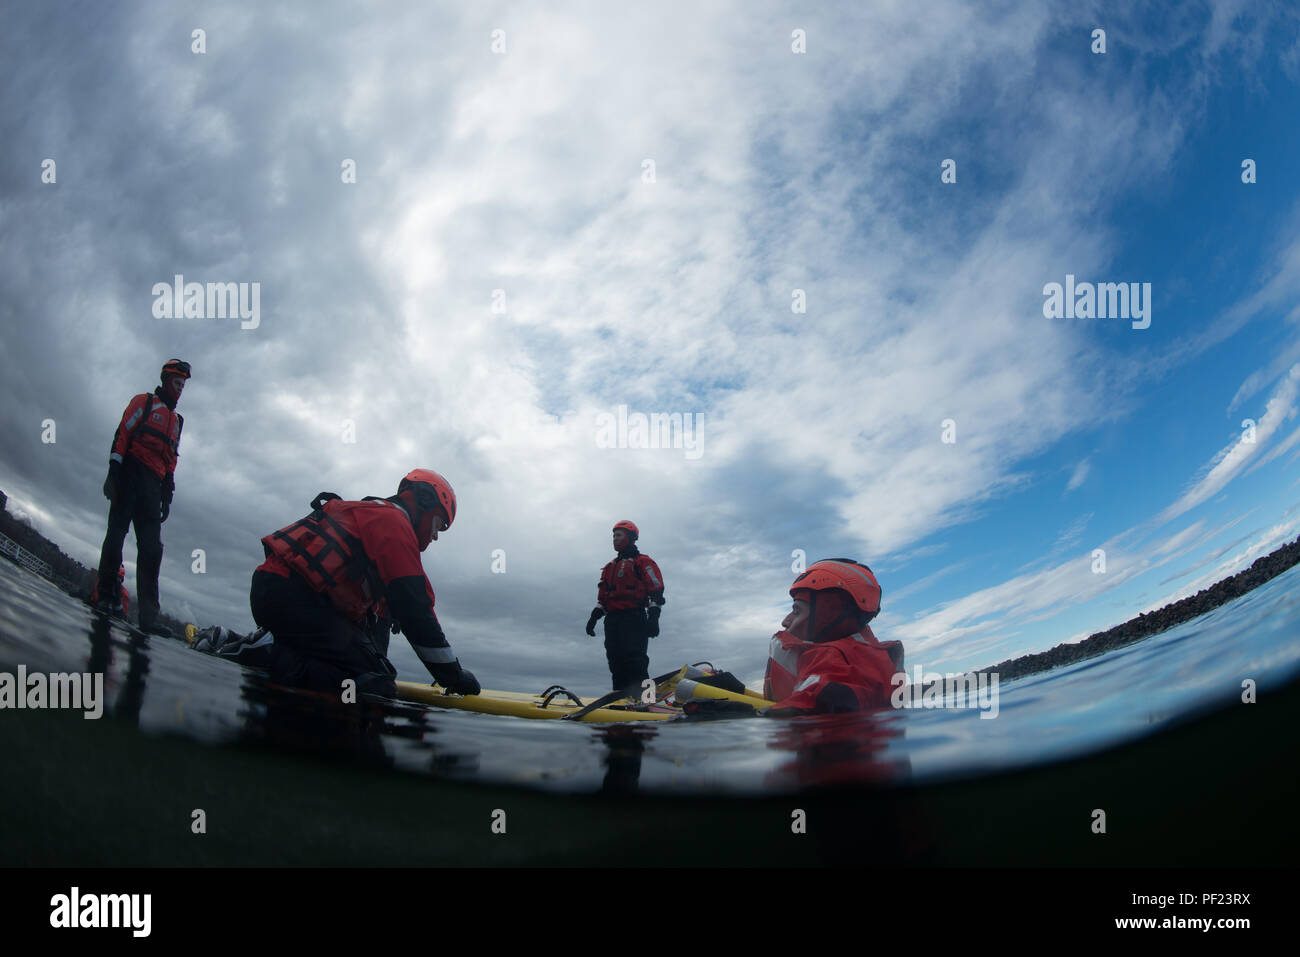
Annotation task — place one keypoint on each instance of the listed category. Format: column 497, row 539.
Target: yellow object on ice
column 522, row 705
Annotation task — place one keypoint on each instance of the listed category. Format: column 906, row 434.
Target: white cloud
column 1269, row 540
column 522, row 172
column 1234, row 456
column 1079, row 476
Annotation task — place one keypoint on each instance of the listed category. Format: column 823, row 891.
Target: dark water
column 165, row 688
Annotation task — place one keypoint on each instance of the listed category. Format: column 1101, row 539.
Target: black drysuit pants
column 314, row 645
column 138, row 502
column 626, row 641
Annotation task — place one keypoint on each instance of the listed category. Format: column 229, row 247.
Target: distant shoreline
column 1262, row 570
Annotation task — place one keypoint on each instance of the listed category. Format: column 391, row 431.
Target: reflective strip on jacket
column 809, row 676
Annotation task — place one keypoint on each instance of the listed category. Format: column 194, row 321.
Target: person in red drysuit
column 629, row 597
column 139, row 489
column 332, row 579
column 825, row 659
column 124, row 605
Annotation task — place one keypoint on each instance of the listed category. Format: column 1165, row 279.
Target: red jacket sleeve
column 390, row 542
column 130, row 419
column 653, row 578
column 602, row 586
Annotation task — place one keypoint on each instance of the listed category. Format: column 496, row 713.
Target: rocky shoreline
column 1144, row 626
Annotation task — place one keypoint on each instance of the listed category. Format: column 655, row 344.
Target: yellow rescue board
column 521, row 705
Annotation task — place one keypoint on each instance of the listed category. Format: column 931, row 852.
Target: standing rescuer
column 331, row 581
column 629, row 585
column 139, row 490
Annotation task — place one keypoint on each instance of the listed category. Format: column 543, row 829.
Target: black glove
column 456, row 679
column 652, row 619
column 465, row 683
column 110, row 483
column 168, row 490
column 597, row 614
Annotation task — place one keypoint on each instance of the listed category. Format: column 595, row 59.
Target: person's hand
column 597, row 614
column 652, row 619
column 464, row 683
column 110, row 483
column 455, row 679
column 168, row 490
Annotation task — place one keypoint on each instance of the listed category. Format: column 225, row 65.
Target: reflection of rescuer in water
column 139, row 490
column 628, row 584
column 330, row 580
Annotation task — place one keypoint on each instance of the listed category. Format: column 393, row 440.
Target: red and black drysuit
column 139, row 489
column 854, row 673
column 628, row 585
column 328, row 586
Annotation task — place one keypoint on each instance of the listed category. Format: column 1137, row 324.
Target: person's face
column 176, row 384
column 431, row 523
column 797, row 621
column 620, row 539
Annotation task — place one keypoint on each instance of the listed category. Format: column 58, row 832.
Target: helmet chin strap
column 850, row 613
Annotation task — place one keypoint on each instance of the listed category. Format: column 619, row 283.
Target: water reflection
column 626, row 743
column 123, row 696
column 838, row 749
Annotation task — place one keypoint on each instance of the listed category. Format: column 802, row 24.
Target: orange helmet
column 431, row 491
column 632, row 531
column 175, row 367
column 853, row 578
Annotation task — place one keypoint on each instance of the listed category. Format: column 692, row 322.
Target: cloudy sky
column 822, row 239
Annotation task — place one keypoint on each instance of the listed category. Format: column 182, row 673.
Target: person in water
column 330, row 578
column 825, row 659
column 139, row 488
column 123, row 604
column 629, row 597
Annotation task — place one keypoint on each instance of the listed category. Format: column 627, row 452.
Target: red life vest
column 151, row 432
column 628, row 583
column 798, row 670
column 328, row 550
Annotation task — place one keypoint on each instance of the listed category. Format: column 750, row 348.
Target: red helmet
column 175, row 367
column 121, row 573
column 633, row 532
column 853, row 578
column 431, row 491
